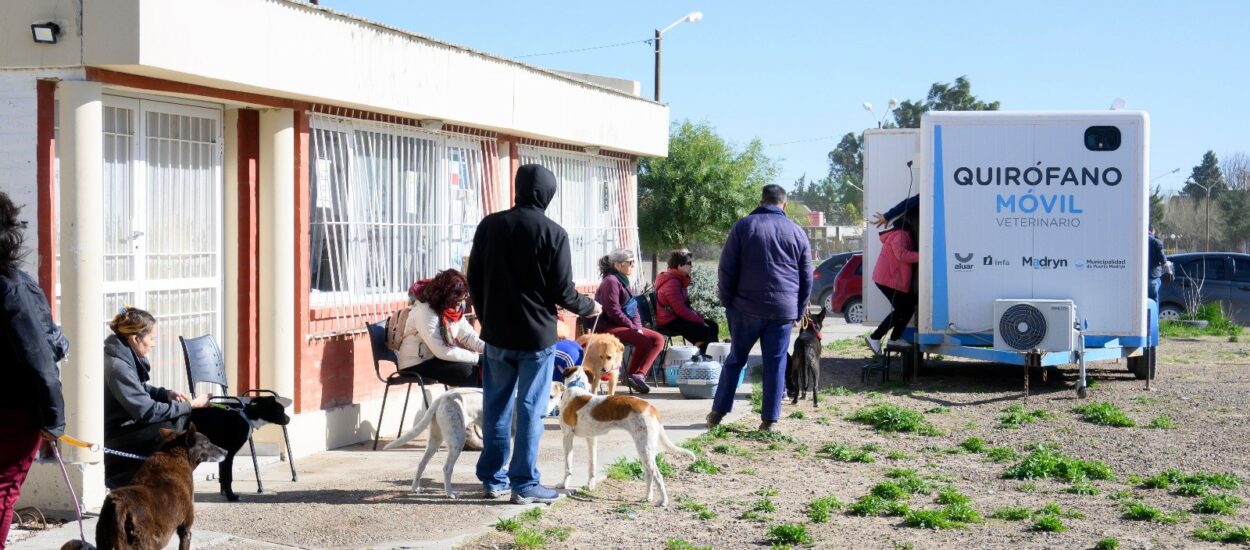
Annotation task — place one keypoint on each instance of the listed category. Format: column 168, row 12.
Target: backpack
column 395, row 325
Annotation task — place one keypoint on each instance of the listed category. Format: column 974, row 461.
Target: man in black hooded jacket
column 519, row 270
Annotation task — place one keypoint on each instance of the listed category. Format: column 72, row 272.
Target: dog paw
column 231, row 497
column 662, row 504
column 451, row 496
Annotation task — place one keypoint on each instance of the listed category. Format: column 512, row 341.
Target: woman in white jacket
column 439, row 343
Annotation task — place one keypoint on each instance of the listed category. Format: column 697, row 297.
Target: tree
column 1235, row 205
column 1158, row 209
column 942, row 97
column 698, row 192
column 1205, row 176
column 1236, row 170
column 838, row 200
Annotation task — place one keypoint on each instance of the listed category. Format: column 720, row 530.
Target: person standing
column 765, row 279
column 519, row 270
column 30, row 399
column 894, row 275
column 1156, row 264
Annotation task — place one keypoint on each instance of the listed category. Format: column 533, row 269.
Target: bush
column 704, row 297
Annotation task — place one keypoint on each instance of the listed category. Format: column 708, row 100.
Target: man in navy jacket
column 765, row 280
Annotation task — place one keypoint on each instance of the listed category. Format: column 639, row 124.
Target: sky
column 795, row 74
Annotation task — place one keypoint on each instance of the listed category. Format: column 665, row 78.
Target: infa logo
column 965, row 261
column 1045, row 262
column 990, row 260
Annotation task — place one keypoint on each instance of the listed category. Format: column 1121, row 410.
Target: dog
column 224, row 427
column 589, row 416
column 604, row 354
column 452, row 417
column 803, row 366
column 160, row 500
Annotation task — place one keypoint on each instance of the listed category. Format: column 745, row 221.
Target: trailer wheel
column 1082, row 392
column 1143, row 366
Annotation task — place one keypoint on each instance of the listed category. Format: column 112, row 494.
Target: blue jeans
column 527, row 376
column 774, row 338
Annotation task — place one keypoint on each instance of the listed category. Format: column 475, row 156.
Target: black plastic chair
column 205, row 365
column 377, row 341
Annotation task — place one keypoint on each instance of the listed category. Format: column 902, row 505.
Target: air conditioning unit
column 1027, row 325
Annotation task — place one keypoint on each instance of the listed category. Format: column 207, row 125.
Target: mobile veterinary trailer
column 1033, row 235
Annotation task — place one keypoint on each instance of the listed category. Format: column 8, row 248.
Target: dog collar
column 577, row 384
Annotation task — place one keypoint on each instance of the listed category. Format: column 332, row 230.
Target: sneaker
column 495, row 493
column 714, row 418
column 639, row 383
column 537, row 493
column 766, row 426
column 874, row 344
column 898, row 343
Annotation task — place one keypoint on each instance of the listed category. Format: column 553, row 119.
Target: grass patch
column 1029, row 487
column 766, row 436
column 1217, row 324
column 1188, row 482
column 973, row 445
column 909, row 480
column 507, row 525
column 694, row 445
column 1109, row 543
column 1144, row 512
column 757, row 398
column 1219, row 531
column 869, row 505
column 1012, row 513
column 624, row 469
column 789, row 533
column 838, row 391
column 701, row 510
column 950, row 495
column 528, row 538
column 1082, row 487
column 952, row 516
column 682, row 544
column 532, row 515
column 797, row 415
column 897, row 455
column 938, row 410
column 1162, row 423
column 1053, row 509
column 729, row 449
column 700, row 466
column 843, row 453
column 888, row 417
column 1105, row 414
column 818, row 510
column 1015, row 416
column 1049, row 524
column 1002, row 454
column 1046, row 461
column 1222, row 504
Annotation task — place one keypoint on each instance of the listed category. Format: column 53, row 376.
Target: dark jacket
column 613, row 296
column 1156, row 257
column 909, row 203
column 131, row 405
column 766, row 266
column 521, row 269
column 35, row 380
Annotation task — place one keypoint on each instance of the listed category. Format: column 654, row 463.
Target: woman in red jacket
column 673, row 314
column 893, row 275
column 620, row 317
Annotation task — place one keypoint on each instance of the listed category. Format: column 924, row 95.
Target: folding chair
column 205, row 365
column 377, row 341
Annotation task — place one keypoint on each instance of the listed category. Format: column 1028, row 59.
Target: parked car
column 848, row 288
column 823, row 275
column 1208, row 277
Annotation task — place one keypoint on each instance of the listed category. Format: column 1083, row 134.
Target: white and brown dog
column 451, row 418
column 604, row 354
column 589, row 416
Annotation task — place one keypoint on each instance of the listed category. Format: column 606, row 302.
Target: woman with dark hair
column 894, row 274
column 620, row 317
column 673, row 314
column 30, row 399
column 439, row 343
column 135, row 411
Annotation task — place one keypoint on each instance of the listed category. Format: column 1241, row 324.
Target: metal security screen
column 595, row 203
column 390, row 204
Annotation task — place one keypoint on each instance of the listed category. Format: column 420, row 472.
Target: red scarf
column 453, row 314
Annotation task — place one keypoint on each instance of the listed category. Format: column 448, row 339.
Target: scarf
column 685, row 279
column 449, row 317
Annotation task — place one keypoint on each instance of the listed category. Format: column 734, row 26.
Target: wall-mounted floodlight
column 45, row 33
column 592, row 149
column 431, row 124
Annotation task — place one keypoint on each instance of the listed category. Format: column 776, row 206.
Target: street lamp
column 1206, row 188
column 889, row 107
column 692, row 17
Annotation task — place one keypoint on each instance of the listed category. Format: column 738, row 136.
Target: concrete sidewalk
column 354, row 497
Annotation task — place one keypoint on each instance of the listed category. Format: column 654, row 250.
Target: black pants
column 451, row 373
column 700, row 334
column 227, row 429
column 903, row 306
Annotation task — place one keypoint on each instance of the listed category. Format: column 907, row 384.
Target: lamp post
column 1206, row 188
column 692, row 17
column 889, row 108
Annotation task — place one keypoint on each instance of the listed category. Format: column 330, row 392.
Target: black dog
column 229, row 428
column 803, row 366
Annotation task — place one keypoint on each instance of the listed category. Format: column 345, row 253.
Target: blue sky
column 799, row 71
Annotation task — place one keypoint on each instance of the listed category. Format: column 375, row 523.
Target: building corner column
column 277, row 250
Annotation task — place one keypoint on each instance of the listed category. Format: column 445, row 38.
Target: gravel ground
column 1203, row 387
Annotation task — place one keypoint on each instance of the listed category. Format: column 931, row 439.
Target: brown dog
column 604, row 353
column 160, row 500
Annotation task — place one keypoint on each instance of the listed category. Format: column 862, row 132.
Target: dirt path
column 1203, row 389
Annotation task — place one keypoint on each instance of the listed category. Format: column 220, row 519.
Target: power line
column 647, row 40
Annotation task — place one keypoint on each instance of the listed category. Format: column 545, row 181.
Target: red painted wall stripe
column 303, row 284
column 248, row 143
column 45, row 158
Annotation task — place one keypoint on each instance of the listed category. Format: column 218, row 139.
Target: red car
column 848, row 288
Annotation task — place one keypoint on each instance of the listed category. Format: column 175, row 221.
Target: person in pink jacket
column 673, row 314
column 893, row 275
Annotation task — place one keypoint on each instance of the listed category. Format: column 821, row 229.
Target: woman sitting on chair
column 439, row 343
column 620, row 317
column 673, row 314
column 135, row 411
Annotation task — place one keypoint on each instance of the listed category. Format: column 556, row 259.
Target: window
column 595, row 203
column 389, row 204
column 1208, row 269
column 1241, row 270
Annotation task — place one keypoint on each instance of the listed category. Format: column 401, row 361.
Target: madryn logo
column 1045, row 262
column 965, row 261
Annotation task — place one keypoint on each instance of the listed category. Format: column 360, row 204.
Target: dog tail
column 418, row 427
column 668, row 443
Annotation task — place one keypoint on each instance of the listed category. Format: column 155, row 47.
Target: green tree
column 1235, row 204
column 697, row 193
column 956, row 96
column 1205, row 175
column 1158, row 209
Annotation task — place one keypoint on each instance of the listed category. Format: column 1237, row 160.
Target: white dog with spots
column 586, row 415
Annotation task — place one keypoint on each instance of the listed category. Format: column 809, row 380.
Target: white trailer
column 1033, row 235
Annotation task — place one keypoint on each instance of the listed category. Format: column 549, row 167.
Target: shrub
column 1223, row 504
column 909, row 481
column 962, row 512
column 1046, row 461
column 889, row 490
column 818, row 510
column 888, row 417
column 789, row 533
column 704, row 296
column 868, row 505
column 1106, row 414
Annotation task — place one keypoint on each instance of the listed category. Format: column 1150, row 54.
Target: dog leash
column 95, row 447
column 82, row 534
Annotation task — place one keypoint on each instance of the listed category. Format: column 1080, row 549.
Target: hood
column 116, row 348
column 535, row 186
